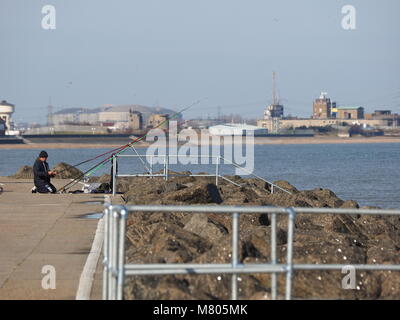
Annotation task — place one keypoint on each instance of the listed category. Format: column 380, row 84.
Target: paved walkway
column 38, row 230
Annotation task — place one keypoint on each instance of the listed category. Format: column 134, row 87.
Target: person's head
column 43, row 155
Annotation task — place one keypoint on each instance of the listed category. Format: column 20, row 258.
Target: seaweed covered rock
column 105, row 178
column 66, row 171
column 25, row 172
column 285, row 185
column 203, row 193
column 206, row 238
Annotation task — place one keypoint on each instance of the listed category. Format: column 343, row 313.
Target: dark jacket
column 40, row 173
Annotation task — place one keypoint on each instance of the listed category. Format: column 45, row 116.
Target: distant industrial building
column 128, row 116
column 235, row 129
column 158, row 120
column 2, row 127
column 386, row 116
column 201, row 123
column 327, row 113
column 381, row 114
column 322, row 107
column 6, row 110
column 275, row 111
column 350, row 113
column 135, row 120
column 392, row 122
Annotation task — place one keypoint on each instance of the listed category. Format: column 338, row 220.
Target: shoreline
column 64, row 146
column 257, row 141
column 325, row 140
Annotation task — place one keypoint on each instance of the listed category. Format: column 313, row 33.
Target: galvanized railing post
column 151, row 166
column 110, row 252
column 167, row 162
column 272, row 188
column 166, row 168
column 273, row 256
column 105, row 253
column 217, row 170
column 114, row 163
column 235, row 245
column 289, row 258
column 115, row 252
column 121, row 254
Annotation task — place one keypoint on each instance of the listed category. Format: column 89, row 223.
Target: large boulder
column 66, row 171
column 203, row 193
column 285, row 185
column 25, row 172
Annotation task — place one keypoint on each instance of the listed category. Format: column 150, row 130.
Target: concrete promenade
column 38, row 230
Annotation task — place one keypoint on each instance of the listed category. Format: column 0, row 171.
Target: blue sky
column 174, row 52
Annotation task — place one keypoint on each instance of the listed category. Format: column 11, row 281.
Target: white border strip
column 87, row 276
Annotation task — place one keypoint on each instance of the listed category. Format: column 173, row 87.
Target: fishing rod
column 119, row 151
column 89, row 160
column 82, row 175
column 78, row 178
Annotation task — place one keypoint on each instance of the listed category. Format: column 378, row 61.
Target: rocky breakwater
column 64, row 170
column 206, row 238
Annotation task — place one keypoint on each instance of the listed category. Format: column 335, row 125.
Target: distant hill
column 120, row 108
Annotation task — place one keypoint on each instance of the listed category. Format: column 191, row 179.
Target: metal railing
column 219, row 160
column 115, row 269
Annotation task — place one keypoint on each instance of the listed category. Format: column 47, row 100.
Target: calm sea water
column 367, row 173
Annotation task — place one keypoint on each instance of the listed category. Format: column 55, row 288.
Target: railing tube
column 235, row 245
column 114, row 173
column 289, row 259
column 114, row 257
column 121, row 254
column 167, row 162
column 151, row 166
column 217, row 171
column 273, row 256
column 105, row 253
column 110, row 252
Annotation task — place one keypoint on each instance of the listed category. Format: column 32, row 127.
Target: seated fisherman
column 42, row 175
